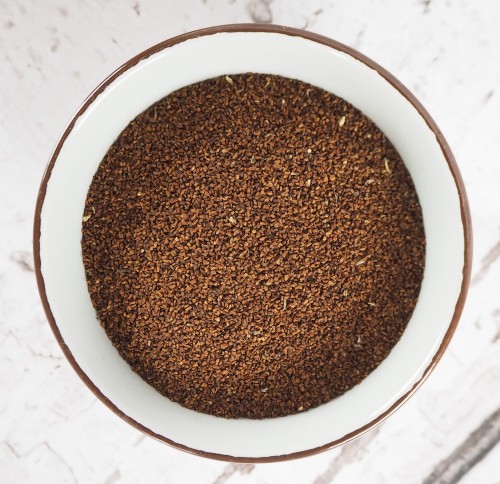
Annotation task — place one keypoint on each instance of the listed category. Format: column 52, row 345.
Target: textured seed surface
column 253, row 246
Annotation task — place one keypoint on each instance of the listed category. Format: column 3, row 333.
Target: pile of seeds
column 253, row 246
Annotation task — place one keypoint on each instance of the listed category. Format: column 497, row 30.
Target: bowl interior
column 192, row 60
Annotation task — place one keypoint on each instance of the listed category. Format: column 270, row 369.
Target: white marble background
column 54, row 52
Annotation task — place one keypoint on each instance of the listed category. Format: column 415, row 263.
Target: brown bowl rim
column 268, row 28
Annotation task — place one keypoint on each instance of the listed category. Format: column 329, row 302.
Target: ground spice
column 253, row 246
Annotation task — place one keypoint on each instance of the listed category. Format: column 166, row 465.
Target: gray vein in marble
column 427, row 5
column 50, row 356
column 24, row 260
column 350, row 453
column 312, row 18
column 42, row 445
column 468, row 454
column 82, row 411
column 115, row 476
column 231, row 469
column 62, row 459
column 486, row 263
column 13, row 450
column 139, row 440
column 260, row 11
column 62, row 11
column 16, row 71
column 431, row 424
column 359, row 37
column 488, row 96
column 55, row 45
column 496, row 316
column 13, row 335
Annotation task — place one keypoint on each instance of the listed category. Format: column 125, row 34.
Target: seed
column 386, row 164
column 223, row 275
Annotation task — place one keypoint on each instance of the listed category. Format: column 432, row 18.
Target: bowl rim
column 262, row 28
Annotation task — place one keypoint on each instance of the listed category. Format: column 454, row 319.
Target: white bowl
column 229, row 50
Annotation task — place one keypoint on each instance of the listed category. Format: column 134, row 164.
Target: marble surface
column 54, row 52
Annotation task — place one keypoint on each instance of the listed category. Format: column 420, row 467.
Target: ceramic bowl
column 292, row 53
